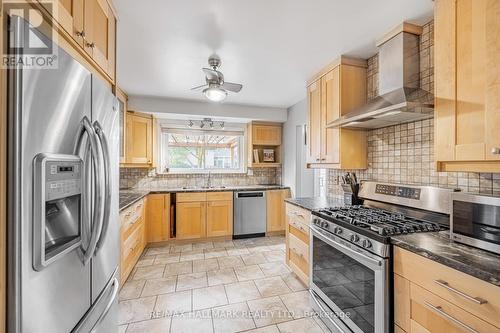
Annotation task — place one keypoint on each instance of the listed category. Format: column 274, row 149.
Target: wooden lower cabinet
column 133, row 238
column 204, row 214
column 276, row 216
column 219, row 218
column 297, row 241
column 430, row 297
column 158, row 217
column 190, row 220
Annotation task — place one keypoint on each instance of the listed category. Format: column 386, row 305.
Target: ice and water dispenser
column 58, row 211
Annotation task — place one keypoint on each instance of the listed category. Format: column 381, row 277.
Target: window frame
column 176, row 126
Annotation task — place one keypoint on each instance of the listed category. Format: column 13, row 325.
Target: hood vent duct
column 400, row 100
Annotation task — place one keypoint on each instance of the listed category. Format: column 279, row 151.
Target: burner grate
column 382, row 222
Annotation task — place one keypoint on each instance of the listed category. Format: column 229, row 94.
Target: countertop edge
column 140, row 194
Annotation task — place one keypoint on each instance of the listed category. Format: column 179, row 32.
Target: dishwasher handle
column 250, row 194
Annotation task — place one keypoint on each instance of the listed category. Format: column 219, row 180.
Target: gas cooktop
column 376, row 220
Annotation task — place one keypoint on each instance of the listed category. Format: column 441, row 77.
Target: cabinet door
column 122, row 109
column 100, row 30
column 139, row 131
column 266, row 135
column 190, row 220
column 467, row 86
column 276, row 215
column 314, row 130
column 158, row 217
column 330, row 111
column 219, row 218
column 69, row 14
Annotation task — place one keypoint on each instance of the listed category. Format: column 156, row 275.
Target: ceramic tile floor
column 223, row 286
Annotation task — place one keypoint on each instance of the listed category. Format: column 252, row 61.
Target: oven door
column 351, row 282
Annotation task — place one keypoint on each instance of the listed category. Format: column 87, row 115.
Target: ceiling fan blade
column 199, row 87
column 212, row 74
column 234, row 87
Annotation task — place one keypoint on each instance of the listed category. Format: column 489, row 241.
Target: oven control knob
column 354, row 238
column 338, row 230
column 325, row 225
column 367, row 244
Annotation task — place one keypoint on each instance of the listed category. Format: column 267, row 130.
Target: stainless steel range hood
column 400, row 99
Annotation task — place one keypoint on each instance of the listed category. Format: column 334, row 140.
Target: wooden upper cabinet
column 92, row 24
column 263, row 135
column 139, row 139
column 276, row 215
column 100, row 34
column 330, row 111
column 158, row 217
column 331, row 95
column 314, row 102
column 69, row 14
column 219, row 218
column 467, row 117
column 190, row 220
column 122, row 111
column 266, row 135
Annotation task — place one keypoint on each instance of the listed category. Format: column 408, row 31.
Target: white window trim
column 175, row 124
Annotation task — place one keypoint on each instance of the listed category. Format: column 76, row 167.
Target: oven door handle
column 320, row 306
column 366, row 258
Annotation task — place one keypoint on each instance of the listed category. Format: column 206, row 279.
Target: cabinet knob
column 323, row 159
column 317, row 160
column 91, row 45
column 80, row 34
column 495, row 150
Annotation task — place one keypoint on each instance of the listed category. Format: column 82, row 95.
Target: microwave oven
column 475, row 220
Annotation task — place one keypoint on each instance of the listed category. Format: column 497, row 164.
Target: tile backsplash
column 148, row 178
column 405, row 153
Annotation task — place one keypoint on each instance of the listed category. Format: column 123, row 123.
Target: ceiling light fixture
column 215, row 93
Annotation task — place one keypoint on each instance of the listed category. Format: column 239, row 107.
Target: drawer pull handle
column 439, row 310
column 299, row 215
column 446, row 285
column 297, row 252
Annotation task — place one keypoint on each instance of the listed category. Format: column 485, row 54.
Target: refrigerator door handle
column 83, row 325
column 114, row 293
column 86, row 127
column 107, row 182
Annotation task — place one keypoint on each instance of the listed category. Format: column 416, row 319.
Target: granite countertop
column 315, row 203
column 438, row 247
column 129, row 197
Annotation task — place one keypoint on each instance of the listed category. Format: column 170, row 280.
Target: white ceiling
column 270, row 46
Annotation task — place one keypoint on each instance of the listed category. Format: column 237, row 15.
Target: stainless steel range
column 351, row 252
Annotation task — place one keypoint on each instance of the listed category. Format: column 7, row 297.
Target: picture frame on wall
column 268, row 155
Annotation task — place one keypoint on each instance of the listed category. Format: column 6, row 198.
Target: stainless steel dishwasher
column 249, row 214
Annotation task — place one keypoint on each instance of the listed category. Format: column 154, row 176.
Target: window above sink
column 202, row 151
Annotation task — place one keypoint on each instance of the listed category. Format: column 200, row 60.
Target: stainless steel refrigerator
column 63, row 223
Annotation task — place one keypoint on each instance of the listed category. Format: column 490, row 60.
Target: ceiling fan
column 215, row 88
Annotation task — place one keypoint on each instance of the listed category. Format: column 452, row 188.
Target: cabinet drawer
column 131, row 215
column 460, row 289
column 438, row 315
column 298, row 214
column 132, row 243
column 299, row 253
column 219, row 196
column 299, row 230
column 191, row 197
